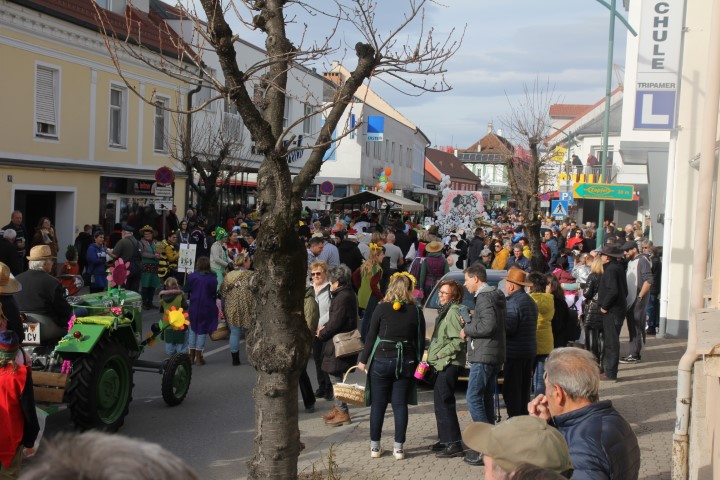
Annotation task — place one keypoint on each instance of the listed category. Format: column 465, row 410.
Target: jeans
column 516, row 385
column 653, row 313
column 480, row 392
column 448, row 426
column 611, row 345
column 235, row 334
column 195, row 341
column 384, row 389
column 539, row 374
column 173, row 348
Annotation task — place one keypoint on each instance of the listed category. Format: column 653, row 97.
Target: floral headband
column 405, row 274
column 374, row 246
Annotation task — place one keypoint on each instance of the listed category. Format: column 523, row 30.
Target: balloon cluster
column 385, row 185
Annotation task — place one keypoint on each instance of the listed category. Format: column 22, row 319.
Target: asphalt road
column 212, row 430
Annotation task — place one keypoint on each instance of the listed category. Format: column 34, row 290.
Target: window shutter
column 45, row 96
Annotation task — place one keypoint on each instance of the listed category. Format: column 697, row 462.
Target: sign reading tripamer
column 658, row 64
column 186, row 261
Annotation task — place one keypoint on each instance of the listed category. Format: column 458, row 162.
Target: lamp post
column 608, row 91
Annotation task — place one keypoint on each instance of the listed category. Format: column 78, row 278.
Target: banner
column 186, row 262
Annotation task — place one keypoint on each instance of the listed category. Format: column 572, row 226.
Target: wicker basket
column 349, row 393
column 221, row 333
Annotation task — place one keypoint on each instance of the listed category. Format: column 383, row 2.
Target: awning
column 368, row 196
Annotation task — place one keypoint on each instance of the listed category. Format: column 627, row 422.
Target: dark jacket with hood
column 343, row 318
column 602, row 444
column 521, row 326
column 350, row 254
column 477, row 245
column 486, row 328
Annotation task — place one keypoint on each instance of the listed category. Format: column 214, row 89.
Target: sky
column 507, row 44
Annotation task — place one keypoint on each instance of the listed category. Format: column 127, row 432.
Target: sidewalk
column 645, row 396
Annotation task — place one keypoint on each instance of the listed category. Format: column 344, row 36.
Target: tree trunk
column 278, row 345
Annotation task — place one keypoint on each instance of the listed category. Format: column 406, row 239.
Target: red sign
column 327, row 187
column 164, row 176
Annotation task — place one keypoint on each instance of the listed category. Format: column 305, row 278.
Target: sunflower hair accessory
column 405, row 274
column 374, row 246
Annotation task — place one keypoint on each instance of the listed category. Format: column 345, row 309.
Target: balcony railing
column 593, row 174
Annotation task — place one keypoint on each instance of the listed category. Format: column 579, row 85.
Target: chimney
column 499, row 132
column 490, row 127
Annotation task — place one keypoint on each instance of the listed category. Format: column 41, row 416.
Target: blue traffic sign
column 559, row 208
column 567, row 197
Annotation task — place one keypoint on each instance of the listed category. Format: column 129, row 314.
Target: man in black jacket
column 485, row 336
column 612, row 293
column 521, row 343
column 477, row 244
column 602, row 443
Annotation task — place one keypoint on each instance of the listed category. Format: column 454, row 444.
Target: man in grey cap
column 128, row 248
column 639, row 281
column 519, row 441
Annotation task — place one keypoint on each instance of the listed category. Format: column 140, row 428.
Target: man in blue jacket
column 520, row 343
column 602, row 443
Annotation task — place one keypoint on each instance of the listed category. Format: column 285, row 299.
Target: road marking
column 213, row 352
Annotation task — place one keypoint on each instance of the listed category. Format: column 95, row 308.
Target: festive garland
column 397, row 304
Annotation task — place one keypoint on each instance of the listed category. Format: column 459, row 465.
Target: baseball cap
column 519, row 440
column 629, row 245
column 243, row 225
column 128, row 228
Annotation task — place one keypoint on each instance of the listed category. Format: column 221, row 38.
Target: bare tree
column 529, row 125
column 212, row 151
column 278, row 344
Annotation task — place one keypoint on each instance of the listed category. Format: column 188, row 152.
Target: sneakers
column 376, row 452
column 630, row 359
column 474, row 458
column 398, row 453
column 451, row 451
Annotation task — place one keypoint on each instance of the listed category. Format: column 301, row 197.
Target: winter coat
column 312, row 311
column 546, row 312
column 96, row 258
column 591, row 286
column 477, row 245
column 202, row 288
column 521, row 326
column 613, row 290
column 432, row 270
column 343, row 318
column 486, row 328
column 602, row 443
column 501, row 259
column 239, row 299
column 522, row 263
column 350, row 254
column 446, row 347
column 562, row 330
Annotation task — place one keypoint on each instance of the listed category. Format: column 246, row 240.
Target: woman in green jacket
column 446, row 354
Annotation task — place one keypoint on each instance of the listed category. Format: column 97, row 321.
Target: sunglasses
column 316, row 274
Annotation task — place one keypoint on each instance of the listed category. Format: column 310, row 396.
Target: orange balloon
column 388, row 171
column 377, row 187
column 389, row 186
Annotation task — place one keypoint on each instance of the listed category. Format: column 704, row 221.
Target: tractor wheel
column 101, row 386
column 176, row 379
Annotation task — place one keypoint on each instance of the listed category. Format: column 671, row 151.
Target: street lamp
column 608, row 91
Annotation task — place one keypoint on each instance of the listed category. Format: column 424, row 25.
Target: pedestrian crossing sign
column 559, row 208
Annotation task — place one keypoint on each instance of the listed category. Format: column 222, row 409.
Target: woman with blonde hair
column 393, row 349
column 239, row 301
column 366, row 281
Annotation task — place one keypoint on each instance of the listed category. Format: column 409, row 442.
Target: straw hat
column 8, row 284
column 434, row 247
column 40, row 252
column 517, row 276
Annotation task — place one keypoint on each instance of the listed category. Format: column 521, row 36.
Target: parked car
column 495, row 278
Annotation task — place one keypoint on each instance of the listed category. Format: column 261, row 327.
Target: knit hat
column 9, row 345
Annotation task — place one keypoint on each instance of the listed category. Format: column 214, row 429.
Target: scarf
column 443, row 310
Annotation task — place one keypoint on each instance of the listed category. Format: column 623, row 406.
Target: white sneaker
column 376, row 452
column 399, row 454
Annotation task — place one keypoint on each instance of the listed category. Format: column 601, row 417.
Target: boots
column 199, row 360
column 235, row 358
column 342, row 417
column 191, row 354
column 331, row 414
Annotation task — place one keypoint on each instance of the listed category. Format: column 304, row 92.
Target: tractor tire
column 177, row 375
column 100, row 388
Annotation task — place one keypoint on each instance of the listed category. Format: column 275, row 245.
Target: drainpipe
column 667, row 240
column 708, row 138
column 187, row 144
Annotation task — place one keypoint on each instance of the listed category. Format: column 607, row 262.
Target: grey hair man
column 102, row 456
column 602, row 443
column 519, row 441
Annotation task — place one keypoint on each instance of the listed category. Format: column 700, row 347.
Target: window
column 308, row 120
column 118, row 116
column 46, row 102
column 286, row 112
column 206, row 93
column 161, row 125
column 106, row 4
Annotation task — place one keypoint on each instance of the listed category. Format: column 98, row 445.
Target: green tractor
column 90, row 368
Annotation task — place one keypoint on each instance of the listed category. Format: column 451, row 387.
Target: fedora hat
column 517, row 276
column 40, row 252
column 8, row 284
column 434, row 247
column 612, row 251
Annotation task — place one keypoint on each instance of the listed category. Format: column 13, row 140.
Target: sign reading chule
column 658, row 64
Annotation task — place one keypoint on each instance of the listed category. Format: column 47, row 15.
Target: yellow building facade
column 77, row 145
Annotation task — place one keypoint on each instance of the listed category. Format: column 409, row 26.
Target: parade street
column 214, row 428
